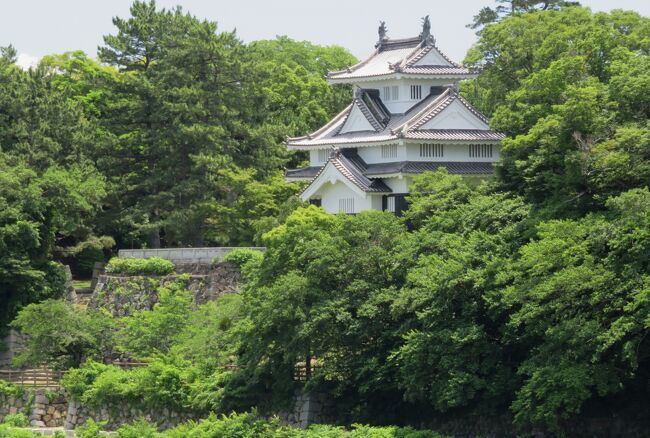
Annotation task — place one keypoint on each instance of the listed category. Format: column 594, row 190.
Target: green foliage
column 62, row 336
column 247, row 260
column 140, row 429
column 36, row 211
column 150, row 332
column 90, row 429
column 16, row 420
column 251, row 425
column 576, row 134
column 132, row 266
column 9, row 389
column 164, row 383
column 10, row 432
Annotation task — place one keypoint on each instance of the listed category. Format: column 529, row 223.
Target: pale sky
column 41, row 27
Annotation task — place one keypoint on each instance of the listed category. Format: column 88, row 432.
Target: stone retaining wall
column 43, row 408
column 116, row 416
column 182, row 255
column 122, row 295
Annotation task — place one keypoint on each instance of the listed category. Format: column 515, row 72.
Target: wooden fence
column 47, row 378
column 35, row 377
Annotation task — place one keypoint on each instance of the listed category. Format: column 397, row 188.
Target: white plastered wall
column 404, row 102
column 455, row 116
column 330, row 194
column 356, row 122
column 373, row 154
column 452, row 152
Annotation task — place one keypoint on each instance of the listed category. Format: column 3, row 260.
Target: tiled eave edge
column 326, row 144
column 356, row 79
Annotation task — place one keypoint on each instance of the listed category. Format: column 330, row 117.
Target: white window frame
column 346, row 205
column 389, row 151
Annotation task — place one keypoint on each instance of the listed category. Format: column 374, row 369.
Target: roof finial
column 382, row 33
column 426, row 30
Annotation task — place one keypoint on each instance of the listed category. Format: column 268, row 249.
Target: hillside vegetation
column 528, row 295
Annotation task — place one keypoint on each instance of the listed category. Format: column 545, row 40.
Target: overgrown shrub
column 7, row 431
column 140, row 429
column 241, row 256
column 250, row 425
column 163, row 384
column 9, row 389
column 90, row 429
column 247, row 259
column 17, row 420
column 150, row 266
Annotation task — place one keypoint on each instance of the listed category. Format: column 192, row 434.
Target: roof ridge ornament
column 382, row 31
column 426, row 36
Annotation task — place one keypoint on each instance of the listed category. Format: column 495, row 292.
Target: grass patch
column 81, row 284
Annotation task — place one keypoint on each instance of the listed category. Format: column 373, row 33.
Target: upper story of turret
column 403, row 70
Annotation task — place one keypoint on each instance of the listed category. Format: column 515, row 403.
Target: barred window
column 416, row 92
column 390, row 204
column 480, row 151
column 389, row 151
column 346, row 205
column 431, row 150
column 386, row 93
column 395, row 92
column 323, row 155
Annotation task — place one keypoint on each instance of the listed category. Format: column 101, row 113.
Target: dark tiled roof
column 413, row 167
column 406, row 125
column 402, row 57
column 455, row 167
column 306, row 172
column 356, row 175
column 455, row 135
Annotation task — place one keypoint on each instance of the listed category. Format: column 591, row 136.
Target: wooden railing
column 35, row 377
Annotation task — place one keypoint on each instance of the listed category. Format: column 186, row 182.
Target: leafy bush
column 241, row 256
column 90, row 429
column 17, row 420
column 140, row 429
column 150, row 266
column 60, row 335
column 247, row 259
column 9, row 389
column 161, row 384
column 10, row 432
column 250, row 425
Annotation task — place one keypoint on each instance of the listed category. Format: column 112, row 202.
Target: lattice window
column 386, row 93
column 416, row 92
column 323, row 155
column 389, row 151
column 432, row 150
column 480, row 151
column 395, row 92
column 346, row 205
column 390, row 204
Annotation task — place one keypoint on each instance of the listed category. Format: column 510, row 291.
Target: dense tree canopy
column 174, row 136
column 526, row 296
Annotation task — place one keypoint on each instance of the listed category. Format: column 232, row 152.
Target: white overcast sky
column 41, row 27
